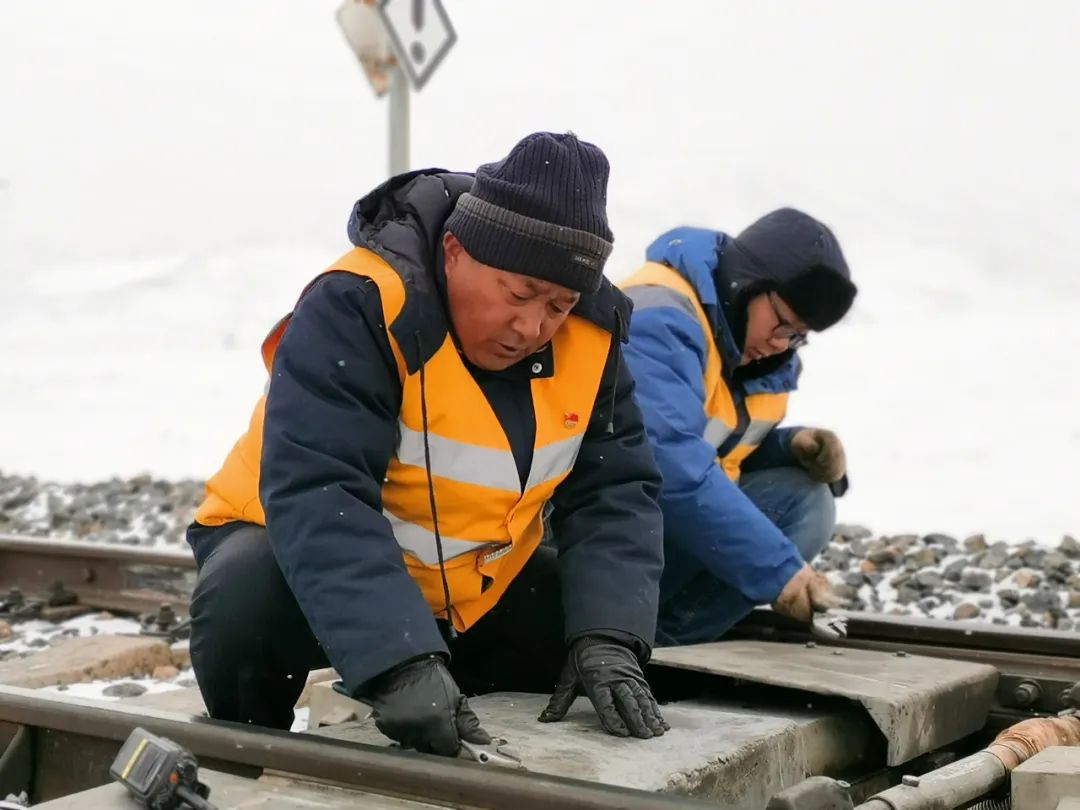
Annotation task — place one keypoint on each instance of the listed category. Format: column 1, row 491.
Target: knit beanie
column 540, row 211
column 799, row 257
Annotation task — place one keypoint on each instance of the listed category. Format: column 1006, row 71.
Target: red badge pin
column 570, row 419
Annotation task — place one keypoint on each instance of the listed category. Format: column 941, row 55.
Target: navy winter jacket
column 328, row 439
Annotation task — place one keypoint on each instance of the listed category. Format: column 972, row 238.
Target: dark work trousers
column 252, row 648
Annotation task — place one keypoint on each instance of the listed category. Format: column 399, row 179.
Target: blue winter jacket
column 708, row 522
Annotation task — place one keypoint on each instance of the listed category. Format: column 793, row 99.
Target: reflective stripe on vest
column 657, row 285
column 555, row 460
column 716, row 431
column 484, row 466
column 414, row 539
column 458, row 461
column 757, row 430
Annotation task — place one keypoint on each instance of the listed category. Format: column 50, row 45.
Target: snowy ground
column 36, row 634
column 33, row 636
column 170, row 179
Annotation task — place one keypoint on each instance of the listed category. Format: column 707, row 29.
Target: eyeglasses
column 785, row 330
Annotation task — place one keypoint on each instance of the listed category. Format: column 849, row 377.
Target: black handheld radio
column 159, row 773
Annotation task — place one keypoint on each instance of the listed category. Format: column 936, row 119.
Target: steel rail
column 377, row 770
column 112, row 552
column 109, row 576
column 910, row 630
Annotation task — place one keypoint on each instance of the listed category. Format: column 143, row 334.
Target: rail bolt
column 1027, row 693
column 60, row 596
column 166, row 617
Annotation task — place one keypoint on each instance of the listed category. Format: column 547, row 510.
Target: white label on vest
column 494, row 555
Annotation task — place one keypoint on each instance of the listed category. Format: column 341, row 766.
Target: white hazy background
column 172, row 174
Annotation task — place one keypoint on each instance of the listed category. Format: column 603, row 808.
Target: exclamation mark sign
column 416, row 50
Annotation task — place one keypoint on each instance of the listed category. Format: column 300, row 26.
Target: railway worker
column 713, row 349
column 433, row 395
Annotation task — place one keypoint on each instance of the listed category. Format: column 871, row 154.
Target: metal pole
column 399, row 121
column 953, row 785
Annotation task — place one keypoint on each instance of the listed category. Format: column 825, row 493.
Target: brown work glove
column 806, row 592
column 821, row 453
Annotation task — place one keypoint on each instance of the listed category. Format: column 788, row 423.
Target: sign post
column 399, row 121
column 399, row 44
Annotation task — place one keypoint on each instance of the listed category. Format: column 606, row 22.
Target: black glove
column 610, row 675
column 418, row 705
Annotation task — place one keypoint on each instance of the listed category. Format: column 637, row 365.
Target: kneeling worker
column 713, row 348
column 433, row 394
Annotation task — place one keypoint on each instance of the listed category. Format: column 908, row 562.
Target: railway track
column 55, row 746
column 1040, row 669
column 64, row 745
column 42, row 734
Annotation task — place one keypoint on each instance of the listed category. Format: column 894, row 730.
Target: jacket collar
column 403, row 222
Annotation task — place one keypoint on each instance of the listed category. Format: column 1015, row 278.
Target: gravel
column 942, row 577
column 141, row 511
column 974, row 578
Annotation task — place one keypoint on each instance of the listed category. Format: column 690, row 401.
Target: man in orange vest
column 718, row 321
column 439, row 398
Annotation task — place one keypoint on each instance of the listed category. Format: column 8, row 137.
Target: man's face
column 500, row 317
column 771, row 327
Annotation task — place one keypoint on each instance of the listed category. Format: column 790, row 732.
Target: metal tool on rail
column 829, row 625
column 493, row 753
column 159, row 774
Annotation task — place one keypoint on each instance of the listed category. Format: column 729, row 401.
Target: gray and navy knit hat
column 540, row 211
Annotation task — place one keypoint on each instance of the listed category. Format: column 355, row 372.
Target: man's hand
column 610, row 675
column 419, row 706
column 821, row 453
column 806, row 592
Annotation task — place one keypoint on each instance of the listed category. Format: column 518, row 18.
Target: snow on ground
column 169, row 180
column 300, row 719
column 33, row 636
column 36, row 634
column 96, row 690
column 29, row 637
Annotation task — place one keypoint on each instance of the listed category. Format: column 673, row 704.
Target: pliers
column 491, row 754
column 829, row 626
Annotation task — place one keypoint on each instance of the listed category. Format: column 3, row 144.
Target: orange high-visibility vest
column 489, row 525
column 765, row 410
